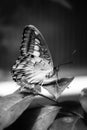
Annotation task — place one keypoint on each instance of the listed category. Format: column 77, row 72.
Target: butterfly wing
column 34, row 43
column 35, row 60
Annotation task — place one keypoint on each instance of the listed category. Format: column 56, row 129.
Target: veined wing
column 35, row 61
column 34, row 43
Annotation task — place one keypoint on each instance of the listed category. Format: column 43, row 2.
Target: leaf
column 69, row 121
column 45, row 117
column 83, row 99
column 70, row 117
column 65, row 123
column 12, row 106
column 58, row 87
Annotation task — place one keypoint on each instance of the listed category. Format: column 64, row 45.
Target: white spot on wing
column 33, row 60
column 38, row 59
column 36, row 32
column 36, row 53
column 36, row 47
column 37, row 41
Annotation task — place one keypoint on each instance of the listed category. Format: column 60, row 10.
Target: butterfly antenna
column 69, row 62
column 66, row 63
column 57, row 68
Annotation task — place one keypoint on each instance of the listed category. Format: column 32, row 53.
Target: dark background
column 62, row 22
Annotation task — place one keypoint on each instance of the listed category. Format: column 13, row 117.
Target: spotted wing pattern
column 35, row 64
column 34, row 43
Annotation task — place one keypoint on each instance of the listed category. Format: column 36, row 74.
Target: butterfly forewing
column 34, row 43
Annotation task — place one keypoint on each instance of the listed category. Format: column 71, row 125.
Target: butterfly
column 34, row 67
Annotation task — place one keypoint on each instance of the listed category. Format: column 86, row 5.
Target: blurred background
column 63, row 24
